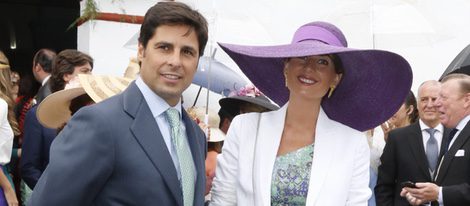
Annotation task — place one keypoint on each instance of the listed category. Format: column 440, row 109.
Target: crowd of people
column 329, row 125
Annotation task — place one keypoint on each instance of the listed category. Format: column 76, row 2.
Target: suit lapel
column 323, row 156
column 269, row 136
column 417, row 149
column 449, row 156
column 445, row 137
column 147, row 133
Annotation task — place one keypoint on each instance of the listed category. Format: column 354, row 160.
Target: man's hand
column 423, row 193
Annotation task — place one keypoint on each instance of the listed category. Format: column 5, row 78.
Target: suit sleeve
column 81, row 161
column 224, row 186
column 385, row 188
column 32, row 154
column 359, row 191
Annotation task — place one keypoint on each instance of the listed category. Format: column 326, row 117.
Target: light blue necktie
column 185, row 158
column 432, row 150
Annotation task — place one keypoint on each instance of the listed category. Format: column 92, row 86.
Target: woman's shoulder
column 3, row 103
column 246, row 118
column 347, row 133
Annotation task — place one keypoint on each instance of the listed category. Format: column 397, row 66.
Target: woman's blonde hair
column 5, row 91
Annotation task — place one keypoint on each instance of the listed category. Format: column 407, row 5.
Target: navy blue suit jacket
column 37, row 141
column 112, row 153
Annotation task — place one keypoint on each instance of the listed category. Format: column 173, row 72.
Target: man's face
column 452, row 103
column 169, row 61
column 427, row 96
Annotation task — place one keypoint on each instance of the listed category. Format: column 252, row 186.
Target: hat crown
column 320, row 31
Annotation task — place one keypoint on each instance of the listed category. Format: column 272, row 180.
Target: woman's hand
column 387, row 126
column 10, row 197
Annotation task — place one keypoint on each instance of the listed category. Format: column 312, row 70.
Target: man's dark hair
column 44, row 57
column 173, row 13
column 65, row 63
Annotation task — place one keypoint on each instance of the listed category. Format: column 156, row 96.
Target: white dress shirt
column 6, row 134
column 158, row 106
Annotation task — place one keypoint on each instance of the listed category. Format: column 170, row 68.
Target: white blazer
column 339, row 173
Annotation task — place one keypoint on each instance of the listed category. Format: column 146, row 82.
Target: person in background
column 405, row 154
column 15, row 81
column 244, row 100
column 406, row 115
column 37, row 139
column 316, row 136
column 42, row 69
column 451, row 183
column 8, row 128
column 28, row 87
column 138, row 147
column 215, row 140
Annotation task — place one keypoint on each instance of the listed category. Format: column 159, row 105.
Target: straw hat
column 133, row 68
column 54, row 110
column 199, row 113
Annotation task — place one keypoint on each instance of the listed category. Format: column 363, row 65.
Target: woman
column 8, row 128
column 407, row 114
column 310, row 151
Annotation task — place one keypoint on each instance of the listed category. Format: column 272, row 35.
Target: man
column 405, row 156
column 452, row 182
column 138, row 147
column 42, row 67
column 37, row 138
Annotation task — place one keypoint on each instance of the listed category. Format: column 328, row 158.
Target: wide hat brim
column 232, row 103
column 216, row 135
column 54, row 110
column 373, row 86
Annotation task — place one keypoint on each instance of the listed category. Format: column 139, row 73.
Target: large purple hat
column 373, row 86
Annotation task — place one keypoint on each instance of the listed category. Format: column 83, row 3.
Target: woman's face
column 399, row 119
column 311, row 76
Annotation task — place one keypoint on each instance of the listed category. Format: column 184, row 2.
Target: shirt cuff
column 439, row 197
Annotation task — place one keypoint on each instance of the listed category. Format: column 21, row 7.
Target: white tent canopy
column 428, row 33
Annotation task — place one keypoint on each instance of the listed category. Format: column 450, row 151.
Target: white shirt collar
column 423, row 126
column 156, row 104
column 463, row 122
column 45, row 80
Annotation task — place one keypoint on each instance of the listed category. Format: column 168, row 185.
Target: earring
column 332, row 89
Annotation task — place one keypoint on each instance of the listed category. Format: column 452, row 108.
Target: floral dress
column 291, row 175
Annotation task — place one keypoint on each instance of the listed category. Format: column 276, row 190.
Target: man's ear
column 140, row 52
column 466, row 100
column 37, row 68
